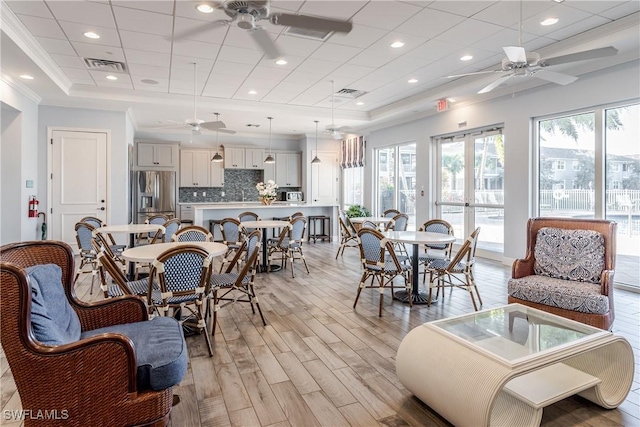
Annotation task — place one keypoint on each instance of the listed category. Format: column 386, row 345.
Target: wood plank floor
column 319, row 362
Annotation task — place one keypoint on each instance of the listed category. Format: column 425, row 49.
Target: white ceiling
column 230, row 64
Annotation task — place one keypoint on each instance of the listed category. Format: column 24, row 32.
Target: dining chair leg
column 202, row 325
column 253, row 297
column 215, row 311
column 304, row 260
column 363, row 280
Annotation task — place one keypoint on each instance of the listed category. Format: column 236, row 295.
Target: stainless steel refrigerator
column 154, row 193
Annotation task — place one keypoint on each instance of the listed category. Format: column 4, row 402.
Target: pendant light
column 316, row 159
column 269, row 159
column 217, row 157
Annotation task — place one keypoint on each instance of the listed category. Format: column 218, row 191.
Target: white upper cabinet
column 234, row 158
column 254, row 158
column 194, row 168
column 288, row 169
column 155, row 155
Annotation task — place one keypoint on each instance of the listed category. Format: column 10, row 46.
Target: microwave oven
column 292, row 196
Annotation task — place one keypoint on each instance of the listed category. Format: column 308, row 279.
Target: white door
column 324, row 179
column 78, row 181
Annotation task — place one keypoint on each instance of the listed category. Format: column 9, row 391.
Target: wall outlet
column 195, row 194
column 204, row 194
column 222, row 193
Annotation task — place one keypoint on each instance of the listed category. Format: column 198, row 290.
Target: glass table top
column 515, row 332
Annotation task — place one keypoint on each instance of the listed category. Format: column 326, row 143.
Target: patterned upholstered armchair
column 568, row 269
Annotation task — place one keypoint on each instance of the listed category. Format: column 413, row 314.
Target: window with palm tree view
column 589, row 167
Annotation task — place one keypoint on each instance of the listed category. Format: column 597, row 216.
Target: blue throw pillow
column 53, row 321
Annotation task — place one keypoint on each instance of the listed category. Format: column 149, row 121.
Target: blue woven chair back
column 92, row 221
column 230, row 229
column 437, row 226
column 183, row 271
column 370, row 242
column 170, row 228
column 298, row 226
column 84, row 232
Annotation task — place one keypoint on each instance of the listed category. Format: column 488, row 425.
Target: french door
column 470, row 187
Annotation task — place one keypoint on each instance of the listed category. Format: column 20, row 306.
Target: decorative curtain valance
column 352, row 152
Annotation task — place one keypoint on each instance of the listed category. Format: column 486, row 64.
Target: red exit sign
column 442, row 105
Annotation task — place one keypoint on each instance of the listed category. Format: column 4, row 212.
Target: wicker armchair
column 94, row 379
column 551, row 283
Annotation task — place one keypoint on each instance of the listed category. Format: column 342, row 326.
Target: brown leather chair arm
column 522, row 267
column 114, row 311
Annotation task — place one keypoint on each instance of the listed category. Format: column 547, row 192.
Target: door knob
column 101, row 209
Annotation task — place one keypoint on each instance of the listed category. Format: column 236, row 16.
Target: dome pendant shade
column 217, row 157
column 269, row 159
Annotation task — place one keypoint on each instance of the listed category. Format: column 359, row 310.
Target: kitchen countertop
column 241, row 204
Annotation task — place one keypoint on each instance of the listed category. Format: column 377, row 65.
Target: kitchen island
column 204, row 212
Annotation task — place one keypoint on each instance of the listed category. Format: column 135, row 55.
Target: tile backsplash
column 235, row 182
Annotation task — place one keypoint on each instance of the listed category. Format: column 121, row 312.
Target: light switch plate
column 195, row 194
column 204, row 194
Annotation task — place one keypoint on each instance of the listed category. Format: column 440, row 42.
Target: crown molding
column 14, row 29
column 20, row 87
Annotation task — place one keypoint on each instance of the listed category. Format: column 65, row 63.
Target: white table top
column 264, row 224
column 417, row 237
column 148, row 253
column 129, row 228
column 374, row 219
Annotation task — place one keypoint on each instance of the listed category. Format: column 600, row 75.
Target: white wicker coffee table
column 503, row 366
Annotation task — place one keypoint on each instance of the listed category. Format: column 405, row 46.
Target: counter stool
column 325, row 227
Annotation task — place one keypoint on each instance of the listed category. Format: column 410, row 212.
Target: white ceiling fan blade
column 265, row 41
column 495, row 84
column 453, row 76
column 579, row 56
column 515, row 54
column 229, row 131
column 213, row 125
column 554, row 77
column 311, row 22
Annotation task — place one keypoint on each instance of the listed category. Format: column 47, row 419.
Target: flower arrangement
column 267, row 192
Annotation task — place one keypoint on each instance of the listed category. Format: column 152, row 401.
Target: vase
column 266, row 201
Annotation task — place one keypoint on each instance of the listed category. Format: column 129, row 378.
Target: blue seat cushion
column 53, row 321
column 161, row 351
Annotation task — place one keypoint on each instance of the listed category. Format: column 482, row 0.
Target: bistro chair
column 369, row 224
column 348, row 235
column 192, row 233
column 84, row 233
column 434, row 252
column 390, row 213
column 93, row 221
column 103, row 362
column 289, row 244
column 399, row 223
column 380, row 263
column 170, row 228
column 248, row 216
column 230, row 287
column 179, row 281
column 110, row 270
column 159, row 219
column 457, row 272
column 233, row 237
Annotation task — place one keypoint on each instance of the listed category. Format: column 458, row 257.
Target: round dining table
column 375, row 219
column 264, row 225
column 147, row 253
column 416, row 238
column 132, row 230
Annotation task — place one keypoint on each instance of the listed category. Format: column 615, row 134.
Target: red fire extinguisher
column 33, row 207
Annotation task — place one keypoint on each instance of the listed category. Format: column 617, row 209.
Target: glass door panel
column 386, row 180
column 488, row 205
column 452, row 185
column 622, row 183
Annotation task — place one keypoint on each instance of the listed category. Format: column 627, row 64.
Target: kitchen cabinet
column 194, row 168
column 287, row 169
column 254, row 158
column 270, row 172
column 186, row 212
column 234, row 158
column 155, row 155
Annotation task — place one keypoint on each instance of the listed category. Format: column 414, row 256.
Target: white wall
column 61, row 117
column 617, row 84
column 19, row 163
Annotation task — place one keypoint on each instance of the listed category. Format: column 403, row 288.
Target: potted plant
column 355, row 211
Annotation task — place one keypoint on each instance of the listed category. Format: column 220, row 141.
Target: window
column 352, row 194
column 616, row 185
column 560, row 165
column 615, row 167
column 395, row 180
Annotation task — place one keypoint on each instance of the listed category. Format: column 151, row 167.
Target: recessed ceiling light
column 26, row 77
column 558, row 1
column 204, row 8
column 252, row 92
column 149, row 81
column 111, row 78
column 451, row 99
column 397, row 44
column 360, row 103
column 549, row 21
column 466, row 58
column 412, row 81
column 281, row 62
column 91, row 35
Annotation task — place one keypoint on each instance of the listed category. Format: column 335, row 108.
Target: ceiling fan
column 520, row 63
column 249, row 13
column 196, row 125
column 335, row 131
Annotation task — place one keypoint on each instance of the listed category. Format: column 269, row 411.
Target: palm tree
column 454, row 164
